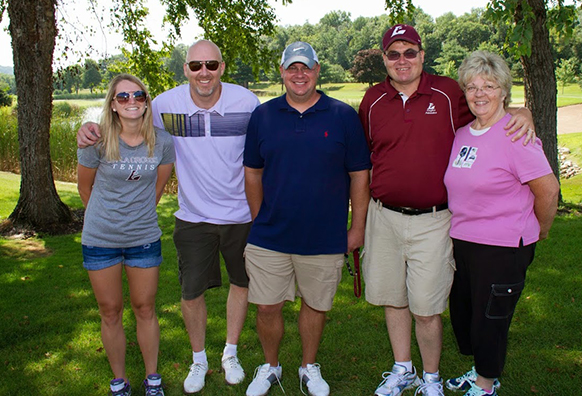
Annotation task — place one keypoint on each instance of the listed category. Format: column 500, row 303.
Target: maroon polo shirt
column 410, row 143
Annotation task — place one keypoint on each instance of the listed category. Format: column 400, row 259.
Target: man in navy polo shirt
column 305, row 158
column 410, row 121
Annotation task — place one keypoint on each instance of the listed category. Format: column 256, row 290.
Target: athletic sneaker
column 233, row 371
column 265, row 376
column 464, row 382
column 194, row 382
column 311, row 376
column 153, row 385
column 397, row 381
column 430, row 388
column 119, row 387
column 477, row 391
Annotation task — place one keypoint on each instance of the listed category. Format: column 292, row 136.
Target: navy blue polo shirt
column 306, row 159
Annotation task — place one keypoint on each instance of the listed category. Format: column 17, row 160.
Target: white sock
column 200, row 357
column 407, row 364
column 229, row 350
column 431, row 377
column 154, row 382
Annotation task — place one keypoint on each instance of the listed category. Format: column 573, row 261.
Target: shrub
column 5, row 99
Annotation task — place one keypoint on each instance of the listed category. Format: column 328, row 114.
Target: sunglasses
column 395, row 55
column 123, row 97
column 211, row 65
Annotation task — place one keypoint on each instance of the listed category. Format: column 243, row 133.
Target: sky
column 297, row 13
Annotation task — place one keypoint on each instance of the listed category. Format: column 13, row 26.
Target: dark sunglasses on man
column 211, row 65
column 395, row 55
column 123, row 97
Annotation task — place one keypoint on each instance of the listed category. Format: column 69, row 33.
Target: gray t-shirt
column 121, row 212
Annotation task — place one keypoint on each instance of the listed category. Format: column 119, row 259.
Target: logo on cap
column 398, row 30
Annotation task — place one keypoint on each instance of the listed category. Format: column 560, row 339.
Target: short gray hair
column 486, row 65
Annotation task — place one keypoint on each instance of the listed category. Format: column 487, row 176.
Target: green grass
column 50, row 336
column 572, row 188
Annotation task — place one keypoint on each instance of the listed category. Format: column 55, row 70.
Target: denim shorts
column 143, row 256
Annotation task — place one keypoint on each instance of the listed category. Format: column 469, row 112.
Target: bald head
column 206, row 47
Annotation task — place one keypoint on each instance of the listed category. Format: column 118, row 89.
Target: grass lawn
column 50, row 334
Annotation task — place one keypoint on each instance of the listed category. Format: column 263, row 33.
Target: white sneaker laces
column 262, row 373
column 313, row 373
column 430, row 389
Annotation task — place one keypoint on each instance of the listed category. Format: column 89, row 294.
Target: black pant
column 487, row 285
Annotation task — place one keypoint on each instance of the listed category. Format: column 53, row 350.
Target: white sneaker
column 233, row 371
column 311, row 376
column 430, row 388
column 194, row 382
column 265, row 376
column 397, row 381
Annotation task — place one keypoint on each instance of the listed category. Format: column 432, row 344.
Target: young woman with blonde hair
column 121, row 180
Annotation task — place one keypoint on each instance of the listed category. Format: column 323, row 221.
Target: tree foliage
column 567, row 71
column 368, row 67
column 5, row 98
column 91, row 75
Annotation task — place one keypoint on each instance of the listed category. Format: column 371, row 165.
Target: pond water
column 92, row 114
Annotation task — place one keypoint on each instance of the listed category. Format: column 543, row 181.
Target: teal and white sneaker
column 477, row 391
column 464, row 382
column 397, row 381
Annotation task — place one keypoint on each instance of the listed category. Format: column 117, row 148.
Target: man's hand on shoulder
column 521, row 123
column 88, row 134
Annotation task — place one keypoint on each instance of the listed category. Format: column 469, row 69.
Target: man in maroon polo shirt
column 410, row 121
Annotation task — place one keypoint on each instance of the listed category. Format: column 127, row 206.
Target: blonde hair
column 489, row 66
column 110, row 124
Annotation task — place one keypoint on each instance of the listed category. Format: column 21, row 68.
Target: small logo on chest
column 134, row 176
column 431, row 109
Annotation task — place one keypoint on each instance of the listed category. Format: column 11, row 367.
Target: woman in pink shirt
column 503, row 199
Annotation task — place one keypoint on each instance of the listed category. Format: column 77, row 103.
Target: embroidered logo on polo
column 466, row 157
column 431, row 109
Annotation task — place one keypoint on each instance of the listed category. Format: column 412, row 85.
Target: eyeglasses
column 123, row 97
column 395, row 55
column 486, row 89
column 296, row 70
column 211, row 65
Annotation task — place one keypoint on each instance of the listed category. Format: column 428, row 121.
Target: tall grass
column 8, row 140
column 66, row 120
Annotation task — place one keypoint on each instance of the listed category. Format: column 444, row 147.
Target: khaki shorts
column 274, row 277
column 408, row 260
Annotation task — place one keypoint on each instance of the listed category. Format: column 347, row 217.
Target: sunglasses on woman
column 123, row 97
column 211, row 65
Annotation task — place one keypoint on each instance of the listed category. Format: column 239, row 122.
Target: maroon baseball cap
column 400, row 32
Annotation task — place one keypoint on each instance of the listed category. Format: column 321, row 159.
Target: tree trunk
column 33, row 31
column 540, row 84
